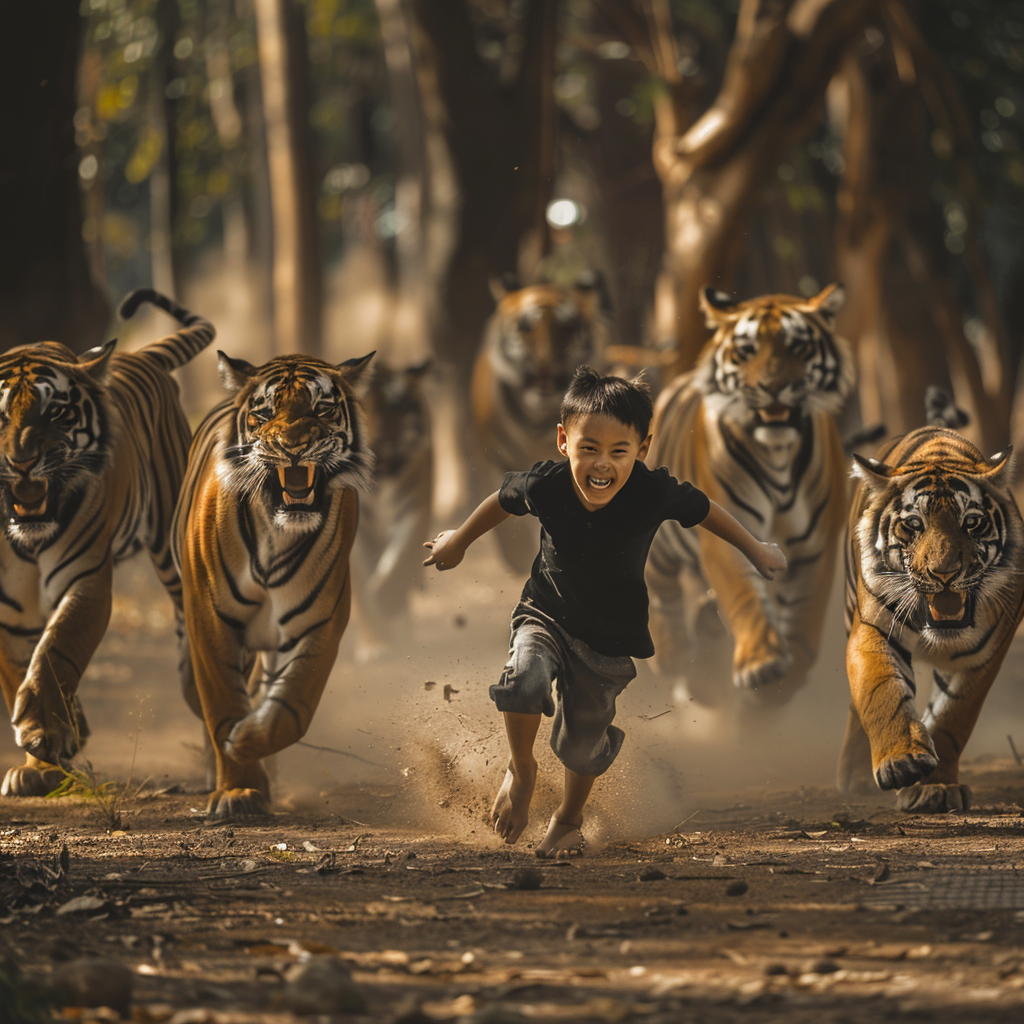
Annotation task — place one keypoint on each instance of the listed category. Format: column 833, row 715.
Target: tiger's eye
column 252, row 421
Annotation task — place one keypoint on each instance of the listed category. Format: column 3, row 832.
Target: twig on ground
column 1016, row 756
column 342, row 753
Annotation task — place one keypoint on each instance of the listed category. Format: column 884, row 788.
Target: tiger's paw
column 27, row 780
column 758, row 673
column 904, row 770
column 236, row 804
column 934, row 798
column 47, row 725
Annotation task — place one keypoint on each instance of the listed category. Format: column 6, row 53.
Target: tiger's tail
column 176, row 349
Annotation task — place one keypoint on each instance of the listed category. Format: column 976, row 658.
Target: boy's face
column 601, row 452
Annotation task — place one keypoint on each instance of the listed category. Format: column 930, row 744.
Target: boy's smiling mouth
column 599, row 483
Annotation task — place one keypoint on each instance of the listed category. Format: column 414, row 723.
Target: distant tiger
column 754, row 427
column 933, row 570
column 536, row 338
column 262, row 535
column 92, row 452
column 395, row 513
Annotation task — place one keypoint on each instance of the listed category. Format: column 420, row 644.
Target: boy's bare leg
column 511, row 810
column 564, row 828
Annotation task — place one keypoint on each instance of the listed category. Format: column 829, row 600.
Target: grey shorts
column 541, row 653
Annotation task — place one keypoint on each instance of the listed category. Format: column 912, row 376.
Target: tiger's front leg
column 882, row 687
column 47, row 717
column 241, row 734
column 950, row 718
column 760, row 653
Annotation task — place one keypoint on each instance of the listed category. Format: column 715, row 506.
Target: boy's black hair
column 628, row 401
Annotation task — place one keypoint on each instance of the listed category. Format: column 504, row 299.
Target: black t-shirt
column 589, row 574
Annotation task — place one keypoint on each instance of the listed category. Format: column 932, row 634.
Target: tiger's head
column 773, row 359
column 396, row 416
column 940, row 535
column 299, row 435
column 54, row 433
column 538, row 335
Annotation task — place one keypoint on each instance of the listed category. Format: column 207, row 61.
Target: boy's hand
column 443, row 553
column 768, row 560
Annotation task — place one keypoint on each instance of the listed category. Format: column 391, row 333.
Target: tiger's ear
column 234, row 373
column 719, row 307
column 872, row 472
column 354, row 371
column 998, row 464
column 501, row 286
column 829, row 301
column 95, row 361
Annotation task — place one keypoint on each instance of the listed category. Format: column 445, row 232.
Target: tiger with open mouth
column 263, row 533
column 933, row 570
column 92, row 453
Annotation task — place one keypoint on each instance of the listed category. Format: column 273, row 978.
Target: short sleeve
column 513, row 494
column 520, row 492
column 686, row 504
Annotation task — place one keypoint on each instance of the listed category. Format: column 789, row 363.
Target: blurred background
column 336, row 176
column 339, row 175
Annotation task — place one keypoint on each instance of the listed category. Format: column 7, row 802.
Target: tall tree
column 298, row 277
column 46, row 291
column 782, row 57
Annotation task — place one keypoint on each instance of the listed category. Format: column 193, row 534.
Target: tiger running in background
column 395, row 513
column 532, row 344
column 262, row 535
column 753, row 426
column 92, row 452
column 933, row 570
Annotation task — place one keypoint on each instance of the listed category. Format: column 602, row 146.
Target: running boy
column 582, row 616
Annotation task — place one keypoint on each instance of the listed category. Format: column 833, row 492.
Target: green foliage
column 106, row 797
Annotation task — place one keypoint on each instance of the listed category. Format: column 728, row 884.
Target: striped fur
column 395, row 514
column 754, row 427
column 933, row 569
column 532, row 344
column 92, row 452
column 262, row 535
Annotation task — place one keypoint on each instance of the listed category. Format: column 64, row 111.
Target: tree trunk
column 298, row 278
column 46, row 290
column 781, row 60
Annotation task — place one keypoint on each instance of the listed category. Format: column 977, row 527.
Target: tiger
column 532, row 343
column 92, row 453
column 754, row 427
column 395, row 513
column 933, row 569
column 262, row 535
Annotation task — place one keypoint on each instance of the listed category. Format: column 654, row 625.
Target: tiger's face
column 773, row 359
column 396, row 416
column 53, row 433
column 300, row 435
column 934, row 540
column 538, row 336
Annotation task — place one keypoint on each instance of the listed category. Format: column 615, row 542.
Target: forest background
column 335, row 176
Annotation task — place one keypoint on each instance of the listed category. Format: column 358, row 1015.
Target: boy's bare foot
column 561, row 840
column 511, row 810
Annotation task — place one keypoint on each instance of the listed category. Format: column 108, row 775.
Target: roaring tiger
column 92, row 452
column 395, row 514
column 754, row 427
column 534, row 341
column 933, row 568
column 262, row 535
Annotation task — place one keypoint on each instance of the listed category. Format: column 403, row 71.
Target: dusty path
column 774, row 900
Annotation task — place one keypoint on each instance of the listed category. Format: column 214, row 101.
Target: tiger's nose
column 945, row 577
column 24, row 467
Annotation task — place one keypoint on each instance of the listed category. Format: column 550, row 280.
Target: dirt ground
column 723, row 881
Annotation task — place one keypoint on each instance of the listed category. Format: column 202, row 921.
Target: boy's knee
column 526, row 690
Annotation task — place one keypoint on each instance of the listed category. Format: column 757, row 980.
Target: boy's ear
column 563, row 440
column 645, row 446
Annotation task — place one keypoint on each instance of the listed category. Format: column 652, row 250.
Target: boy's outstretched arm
column 448, row 547
column 767, row 559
